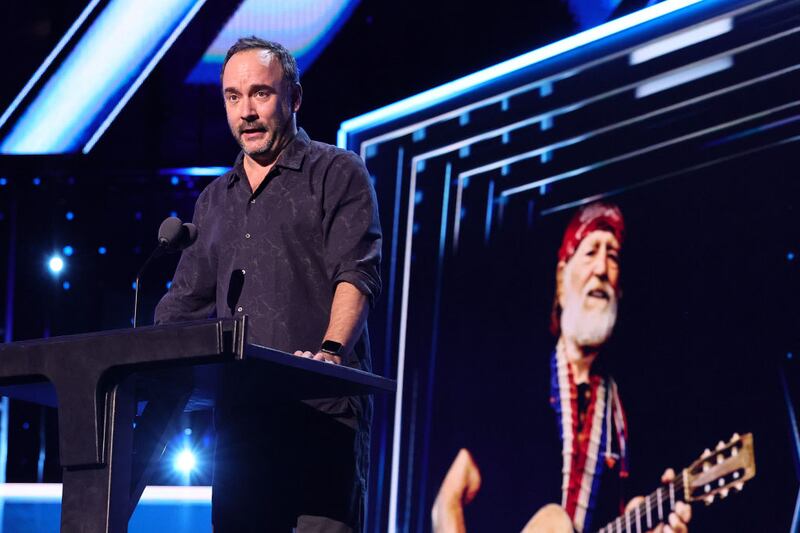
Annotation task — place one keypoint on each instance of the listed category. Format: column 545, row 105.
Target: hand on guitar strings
column 678, row 519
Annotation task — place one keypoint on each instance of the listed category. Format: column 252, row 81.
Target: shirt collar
column 290, row 158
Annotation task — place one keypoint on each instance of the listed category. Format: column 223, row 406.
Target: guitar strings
column 653, row 498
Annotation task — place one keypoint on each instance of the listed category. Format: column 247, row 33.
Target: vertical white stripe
column 401, row 354
column 566, row 423
column 592, row 453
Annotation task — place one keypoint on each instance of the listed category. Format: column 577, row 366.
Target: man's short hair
column 290, row 71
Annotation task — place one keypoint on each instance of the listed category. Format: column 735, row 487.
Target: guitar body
column 549, row 519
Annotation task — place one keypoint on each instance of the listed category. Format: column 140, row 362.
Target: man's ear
column 297, row 97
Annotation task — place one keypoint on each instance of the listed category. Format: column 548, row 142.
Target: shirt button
column 246, row 235
column 244, row 272
column 239, row 309
column 252, row 201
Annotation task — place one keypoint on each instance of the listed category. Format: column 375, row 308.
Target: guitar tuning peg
column 706, row 453
column 709, row 499
column 723, row 493
column 739, row 486
column 720, row 445
column 735, row 437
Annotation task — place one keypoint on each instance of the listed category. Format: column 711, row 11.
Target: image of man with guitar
column 583, row 396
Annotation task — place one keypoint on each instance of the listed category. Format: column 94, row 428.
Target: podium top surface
column 67, row 362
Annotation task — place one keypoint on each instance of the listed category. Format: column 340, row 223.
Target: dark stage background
column 708, row 328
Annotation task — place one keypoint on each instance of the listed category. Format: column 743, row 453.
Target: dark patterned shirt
column 277, row 253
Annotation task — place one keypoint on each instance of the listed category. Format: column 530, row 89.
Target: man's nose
column 248, row 110
column 600, row 264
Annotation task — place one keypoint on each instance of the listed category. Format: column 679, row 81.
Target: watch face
column 331, row 347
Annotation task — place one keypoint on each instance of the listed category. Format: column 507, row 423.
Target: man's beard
column 588, row 327
column 262, row 150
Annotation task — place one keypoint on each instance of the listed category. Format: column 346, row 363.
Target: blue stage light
column 37, row 181
column 194, row 171
column 66, row 285
column 103, row 70
column 187, row 431
column 185, row 461
column 175, row 180
column 69, row 215
column 169, row 285
column 3, row 182
column 457, row 87
column 173, row 214
column 304, row 28
column 49, row 60
column 102, row 250
column 56, row 264
column 68, row 250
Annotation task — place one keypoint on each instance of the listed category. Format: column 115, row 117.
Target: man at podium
column 289, row 236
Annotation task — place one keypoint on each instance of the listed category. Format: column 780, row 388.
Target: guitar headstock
column 718, row 472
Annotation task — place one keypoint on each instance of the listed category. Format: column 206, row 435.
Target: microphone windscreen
column 169, row 232
column 190, row 236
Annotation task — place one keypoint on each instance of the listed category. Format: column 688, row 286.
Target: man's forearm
column 348, row 315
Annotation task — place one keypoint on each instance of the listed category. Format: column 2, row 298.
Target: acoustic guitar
column 712, row 476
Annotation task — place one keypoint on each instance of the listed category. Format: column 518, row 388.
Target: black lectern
column 100, row 377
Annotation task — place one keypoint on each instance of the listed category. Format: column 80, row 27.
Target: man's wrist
column 331, row 347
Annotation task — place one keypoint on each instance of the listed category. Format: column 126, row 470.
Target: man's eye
column 262, row 94
column 233, row 98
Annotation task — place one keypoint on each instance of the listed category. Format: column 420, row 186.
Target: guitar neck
column 654, row 510
column 712, row 475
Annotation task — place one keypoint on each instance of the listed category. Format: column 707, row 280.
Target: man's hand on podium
column 320, row 356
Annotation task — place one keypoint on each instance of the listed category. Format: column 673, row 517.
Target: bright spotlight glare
column 56, row 264
column 185, row 461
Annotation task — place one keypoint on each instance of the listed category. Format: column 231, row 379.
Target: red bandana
column 596, row 216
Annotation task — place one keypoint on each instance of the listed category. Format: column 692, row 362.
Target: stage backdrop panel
column 686, row 116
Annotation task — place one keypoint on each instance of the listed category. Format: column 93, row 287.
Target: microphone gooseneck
column 173, row 236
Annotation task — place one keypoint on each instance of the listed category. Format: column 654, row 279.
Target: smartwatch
column 331, row 347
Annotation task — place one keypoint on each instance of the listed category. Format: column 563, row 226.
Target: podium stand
column 97, row 379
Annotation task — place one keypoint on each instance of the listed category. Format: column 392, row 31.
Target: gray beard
column 267, row 149
column 588, row 328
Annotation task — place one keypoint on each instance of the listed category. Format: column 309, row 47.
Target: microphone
column 173, row 236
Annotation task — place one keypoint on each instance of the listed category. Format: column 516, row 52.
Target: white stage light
column 55, row 264
column 185, row 461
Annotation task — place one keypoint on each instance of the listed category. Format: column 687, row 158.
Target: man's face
column 259, row 103
column 589, row 290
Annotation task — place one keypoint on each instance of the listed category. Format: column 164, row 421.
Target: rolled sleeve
column 351, row 226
